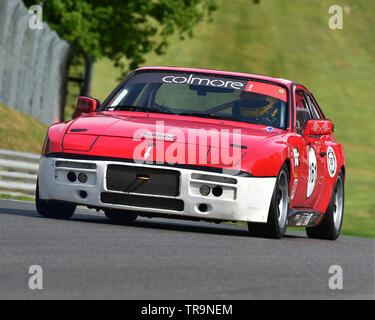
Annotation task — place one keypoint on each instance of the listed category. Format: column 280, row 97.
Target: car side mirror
column 318, row 127
column 86, row 105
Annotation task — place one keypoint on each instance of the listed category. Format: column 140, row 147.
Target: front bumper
column 242, row 198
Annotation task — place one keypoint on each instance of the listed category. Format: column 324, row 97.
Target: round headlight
column 71, row 176
column 82, row 177
column 217, row 191
column 204, row 190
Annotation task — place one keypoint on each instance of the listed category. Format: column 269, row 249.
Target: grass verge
column 20, row 132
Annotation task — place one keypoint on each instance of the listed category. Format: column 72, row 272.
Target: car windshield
column 203, row 95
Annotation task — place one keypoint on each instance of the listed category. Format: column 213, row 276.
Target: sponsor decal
column 251, row 86
column 331, row 162
column 266, row 89
column 294, row 189
column 202, row 81
column 304, row 219
column 296, row 157
column 313, row 174
column 270, row 129
column 157, row 136
column 320, row 129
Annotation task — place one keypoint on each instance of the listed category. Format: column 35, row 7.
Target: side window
column 302, row 112
column 313, row 110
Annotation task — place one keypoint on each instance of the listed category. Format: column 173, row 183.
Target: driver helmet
column 255, row 104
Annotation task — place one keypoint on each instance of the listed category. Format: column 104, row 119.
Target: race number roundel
column 313, row 174
column 331, row 162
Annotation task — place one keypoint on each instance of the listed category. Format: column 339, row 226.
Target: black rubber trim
column 78, row 130
column 237, row 146
column 142, row 201
column 153, row 181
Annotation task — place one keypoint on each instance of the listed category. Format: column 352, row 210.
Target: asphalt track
column 90, row 257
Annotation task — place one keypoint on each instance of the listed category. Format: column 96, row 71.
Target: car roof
column 221, row 72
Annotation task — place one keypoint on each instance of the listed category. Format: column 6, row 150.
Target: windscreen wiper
column 154, row 110
column 158, row 108
column 141, row 109
column 130, row 108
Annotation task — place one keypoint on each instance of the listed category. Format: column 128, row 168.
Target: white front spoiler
column 246, row 199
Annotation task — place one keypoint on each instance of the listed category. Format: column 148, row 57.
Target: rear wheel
column 278, row 212
column 120, row 216
column 330, row 226
column 53, row 209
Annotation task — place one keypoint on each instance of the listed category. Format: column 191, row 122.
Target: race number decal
column 331, row 162
column 312, row 172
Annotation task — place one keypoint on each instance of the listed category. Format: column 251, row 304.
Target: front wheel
column 53, row 209
column 278, row 212
column 330, row 226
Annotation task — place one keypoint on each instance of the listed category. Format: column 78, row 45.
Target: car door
column 308, row 150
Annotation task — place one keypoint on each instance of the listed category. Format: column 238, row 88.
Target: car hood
column 131, row 134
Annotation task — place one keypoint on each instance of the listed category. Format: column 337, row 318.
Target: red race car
column 199, row 144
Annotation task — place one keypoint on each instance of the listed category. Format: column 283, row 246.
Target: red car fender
column 271, row 163
column 54, row 138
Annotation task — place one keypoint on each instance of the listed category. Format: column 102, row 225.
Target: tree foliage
column 120, row 29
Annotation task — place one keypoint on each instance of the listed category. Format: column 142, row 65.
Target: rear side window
column 313, row 110
column 303, row 112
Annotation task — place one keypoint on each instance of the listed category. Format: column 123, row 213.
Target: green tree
column 122, row 30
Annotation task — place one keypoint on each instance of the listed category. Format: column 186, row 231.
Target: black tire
column 277, row 220
column 53, row 209
column 330, row 227
column 120, row 216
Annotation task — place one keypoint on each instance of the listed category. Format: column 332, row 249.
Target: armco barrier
column 18, row 172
